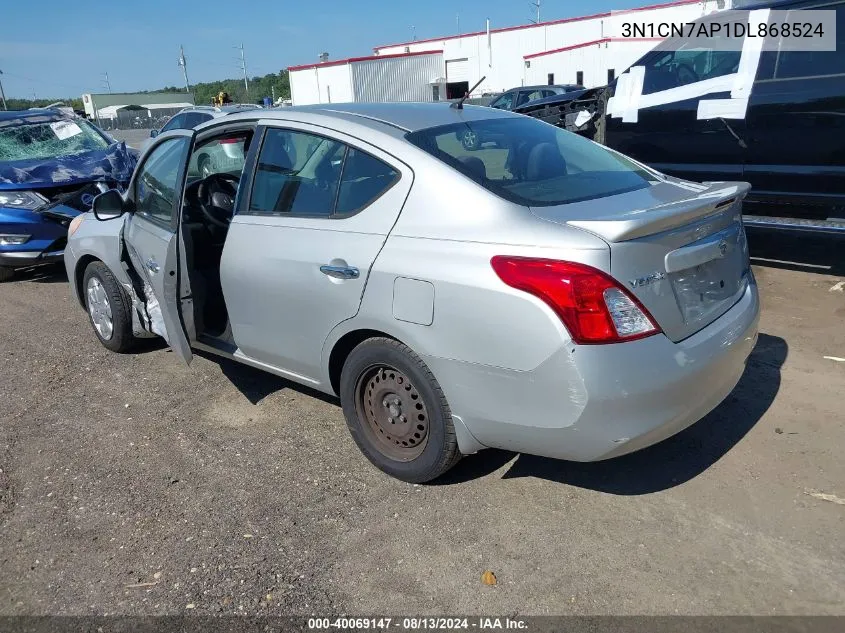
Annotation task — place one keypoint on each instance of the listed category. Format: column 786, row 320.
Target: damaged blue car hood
column 113, row 164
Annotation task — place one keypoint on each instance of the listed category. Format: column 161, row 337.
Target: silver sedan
column 537, row 293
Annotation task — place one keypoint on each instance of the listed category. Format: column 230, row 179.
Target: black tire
column 6, row 273
column 440, row 451
column 121, row 339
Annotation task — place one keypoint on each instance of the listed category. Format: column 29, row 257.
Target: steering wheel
column 216, row 198
column 686, row 75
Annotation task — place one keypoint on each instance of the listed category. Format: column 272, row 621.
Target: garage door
column 457, row 70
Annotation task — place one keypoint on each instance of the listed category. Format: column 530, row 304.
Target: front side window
column 669, row 69
column 220, row 155
column 528, row 95
column 176, row 123
column 505, row 102
column 53, row 139
column 156, row 181
column 529, row 162
column 307, row 175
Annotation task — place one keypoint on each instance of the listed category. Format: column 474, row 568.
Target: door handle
column 340, row 272
column 152, row 266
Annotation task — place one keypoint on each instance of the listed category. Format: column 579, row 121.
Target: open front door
column 150, row 234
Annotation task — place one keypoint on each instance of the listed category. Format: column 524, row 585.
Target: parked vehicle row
column 784, row 133
column 546, row 295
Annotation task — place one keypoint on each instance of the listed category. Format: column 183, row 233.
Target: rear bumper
column 588, row 403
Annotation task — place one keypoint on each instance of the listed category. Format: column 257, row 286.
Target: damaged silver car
column 544, row 295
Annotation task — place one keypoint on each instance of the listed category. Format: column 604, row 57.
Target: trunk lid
column 679, row 247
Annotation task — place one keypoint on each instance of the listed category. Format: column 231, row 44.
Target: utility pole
column 414, row 31
column 535, row 5
column 106, row 82
column 458, row 23
column 243, row 67
column 184, row 64
column 3, row 94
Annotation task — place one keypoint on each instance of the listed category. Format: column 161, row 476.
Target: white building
column 413, row 76
column 528, row 54
column 584, row 50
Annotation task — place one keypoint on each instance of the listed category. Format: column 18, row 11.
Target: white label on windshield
column 65, row 129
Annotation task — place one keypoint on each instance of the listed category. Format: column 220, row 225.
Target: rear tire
column 6, row 273
column 109, row 309
column 397, row 412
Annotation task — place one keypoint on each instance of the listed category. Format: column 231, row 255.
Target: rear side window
column 303, row 174
column 532, row 163
column 795, row 64
column 364, row 179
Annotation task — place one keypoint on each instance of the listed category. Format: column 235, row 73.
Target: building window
column 579, row 77
column 551, row 79
column 611, row 75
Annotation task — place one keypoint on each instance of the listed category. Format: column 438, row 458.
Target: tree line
column 259, row 87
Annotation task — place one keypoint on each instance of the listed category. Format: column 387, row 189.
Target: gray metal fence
column 137, row 119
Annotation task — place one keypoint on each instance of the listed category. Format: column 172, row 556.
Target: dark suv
column 786, row 136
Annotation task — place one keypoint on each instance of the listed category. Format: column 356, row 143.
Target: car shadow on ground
column 256, row 384
column 664, row 465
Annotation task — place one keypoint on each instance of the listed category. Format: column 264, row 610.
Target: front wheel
column 108, row 308
column 397, row 412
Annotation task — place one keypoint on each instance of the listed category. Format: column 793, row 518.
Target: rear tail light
column 592, row 305
column 230, row 141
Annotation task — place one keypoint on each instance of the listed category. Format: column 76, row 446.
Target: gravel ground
column 133, row 485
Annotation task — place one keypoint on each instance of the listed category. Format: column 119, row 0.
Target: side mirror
column 108, row 205
column 153, row 133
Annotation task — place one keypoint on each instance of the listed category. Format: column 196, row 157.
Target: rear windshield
column 530, row 162
column 49, row 140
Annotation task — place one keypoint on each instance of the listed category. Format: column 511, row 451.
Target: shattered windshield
column 49, row 139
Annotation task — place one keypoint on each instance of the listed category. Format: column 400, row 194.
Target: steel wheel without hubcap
column 393, row 413
column 100, row 309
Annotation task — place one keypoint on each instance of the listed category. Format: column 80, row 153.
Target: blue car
column 51, row 166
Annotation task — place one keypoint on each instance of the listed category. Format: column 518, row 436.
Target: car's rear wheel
column 6, row 273
column 397, row 412
column 108, row 308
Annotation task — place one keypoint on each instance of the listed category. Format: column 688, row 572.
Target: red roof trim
column 566, row 48
column 531, row 26
column 585, row 44
column 352, row 60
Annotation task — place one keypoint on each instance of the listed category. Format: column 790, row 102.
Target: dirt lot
column 131, row 484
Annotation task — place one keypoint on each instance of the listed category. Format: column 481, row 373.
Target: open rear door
column 151, row 234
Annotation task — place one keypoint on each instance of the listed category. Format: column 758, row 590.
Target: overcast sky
column 61, row 48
